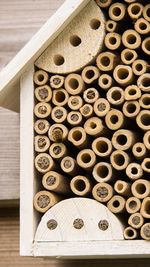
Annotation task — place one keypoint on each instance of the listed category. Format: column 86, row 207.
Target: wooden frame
column 28, row 217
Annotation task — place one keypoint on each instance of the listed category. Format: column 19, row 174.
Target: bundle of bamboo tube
column 92, row 129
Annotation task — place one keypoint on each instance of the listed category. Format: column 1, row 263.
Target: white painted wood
column 10, row 75
column 90, row 211
column 91, row 42
column 27, row 181
column 93, row 249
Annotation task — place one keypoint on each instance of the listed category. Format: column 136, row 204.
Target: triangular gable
column 10, row 75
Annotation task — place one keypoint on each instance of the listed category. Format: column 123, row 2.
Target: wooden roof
column 10, row 75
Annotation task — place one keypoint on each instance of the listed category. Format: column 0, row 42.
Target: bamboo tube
column 56, row 182
column 145, row 231
column 43, row 93
column 102, row 192
column 103, row 172
column 135, row 10
column 139, row 67
column 123, row 139
column 69, row 165
column 101, row 107
column 146, row 140
column 143, row 120
column 119, row 160
column 90, row 74
column 90, row 95
column 74, row 118
column 40, row 77
column 44, row 163
column 139, row 151
column 60, row 97
column 142, row 26
column 146, row 46
column 130, row 233
column 116, row 204
column 74, row 84
column 102, row 147
column 144, row 101
column 130, row 1
column 41, row 143
column 94, row 127
column 122, row 188
column 59, row 114
column 106, row 61
column 75, row 102
column 57, row 81
column 145, row 208
column 58, row 132
column 143, row 82
column 44, row 200
column 133, row 205
column 134, row 171
column 58, row 151
column 86, row 111
column 105, row 81
column 114, row 119
column 146, row 12
column 86, row 159
column 112, row 40
column 41, row 126
column 132, row 92
column 80, row 185
column 42, row 110
column 117, row 11
column 131, row 39
column 141, row 188
column 123, row 75
column 146, row 165
column 115, row 96
column 77, row 136
column 136, row 220
column 104, row 4
column 111, row 26
column 131, row 109
column 128, row 56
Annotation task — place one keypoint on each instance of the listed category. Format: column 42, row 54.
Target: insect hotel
column 84, row 88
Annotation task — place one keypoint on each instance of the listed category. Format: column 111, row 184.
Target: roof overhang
column 10, row 75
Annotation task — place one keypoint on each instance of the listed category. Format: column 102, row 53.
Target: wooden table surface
column 19, row 20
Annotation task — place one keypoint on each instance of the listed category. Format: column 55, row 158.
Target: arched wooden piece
column 77, row 45
column 99, row 222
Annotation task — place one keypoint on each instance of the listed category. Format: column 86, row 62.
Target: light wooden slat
column 9, row 155
column 9, row 247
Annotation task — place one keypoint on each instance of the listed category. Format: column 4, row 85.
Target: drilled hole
column 75, row 40
column 95, row 24
column 59, row 60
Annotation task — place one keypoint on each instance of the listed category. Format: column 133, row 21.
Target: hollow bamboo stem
column 139, row 151
column 60, row 97
column 74, row 118
column 90, row 74
column 69, row 166
column 42, row 110
column 146, row 140
column 146, row 165
column 95, row 127
column 107, row 61
column 112, row 40
column 131, row 109
column 40, row 77
column 144, row 101
column 117, row 11
column 130, row 233
column 58, row 151
column 41, row 126
column 123, row 75
column 74, row 84
column 44, row 200
column 133, row 205
column 87, row 111
column 41, row 143
column 101, row 107
column 44, row 163
column 102, row 192
column 145, row 211
column 58, row 132
column 102, row 147
column 124, row 139
column 86, row 159
column 132, row 92
column 59, row 114
column 131, row 39
column 56, row 182
column 143, row 120
column 122, row 188
column 115, row 96
column 103, row 172
column 145, row 231
column 135, row 10
column 136, row 220
column 116, row 204
column 105, row 81
column 128, row 56
column 134, row 171
column 114, row 119
column 78, row 137
column 119, row 160
column 141, row 188
column 43, row 93
column 57, row 81
column 80, row 185
column 75, row 102
column 90, row 95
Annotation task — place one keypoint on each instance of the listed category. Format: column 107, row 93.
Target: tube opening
column 102, row 147
column 73, row 83
column 140, row 188
column 90, row 74
column 116, row 11
column 60, row 96
column 145, row 82
column 116, row 203
column 131, row 39
column 145, row 119
column 105, row 61
column 116, row 95
column 135, row 9
column 86, row 158
column 79, row 185
column 121, row 139
column 146, row 101
column 134, row 170
column 119, row 159
column 132, row 204
column 114, row 119
column 147, row 207
column 131, row 108
column 123, row 73
column 102, row 171
column 77, row 135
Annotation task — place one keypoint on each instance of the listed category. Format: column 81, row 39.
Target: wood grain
column 9, row 250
